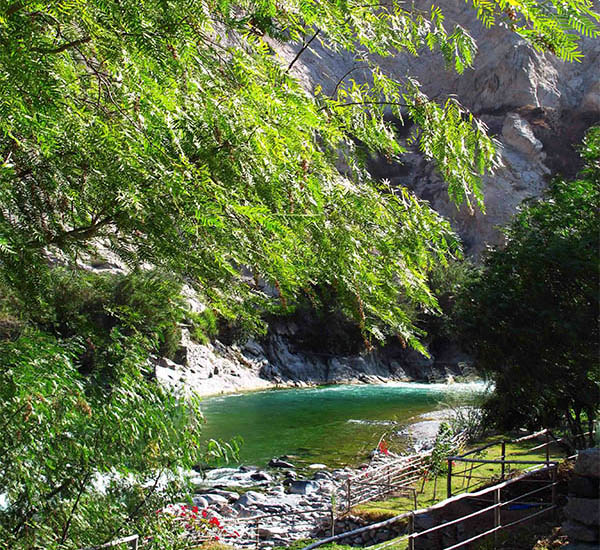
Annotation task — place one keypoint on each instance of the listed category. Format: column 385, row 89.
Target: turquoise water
column 334, row 425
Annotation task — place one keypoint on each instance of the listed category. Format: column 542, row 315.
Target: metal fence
column 531, row 504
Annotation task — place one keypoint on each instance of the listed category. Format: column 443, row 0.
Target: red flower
column 194, row 509
column 214, row 521
column 216, row 538
column 204, row 513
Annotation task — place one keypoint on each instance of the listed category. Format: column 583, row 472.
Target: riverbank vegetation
column 175, row 134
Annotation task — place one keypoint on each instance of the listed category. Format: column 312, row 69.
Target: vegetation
column 175, row 134
column 532, row 310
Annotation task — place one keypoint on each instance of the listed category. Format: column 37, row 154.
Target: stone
column 278, row 463
column 584, row 487
column 261, row 476
column 244, row 512
column 588, row 463
column 200, row 501
column 317, row 466
column 583, row 510
column 250, row 498
column 214, row 499
column 579, row 532
column 324, row 475
column 231, row 496
column 517, row 133
column 270, row 532
column 304, row 487
column 246, row 469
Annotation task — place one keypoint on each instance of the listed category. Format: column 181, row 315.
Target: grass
column 430, row 492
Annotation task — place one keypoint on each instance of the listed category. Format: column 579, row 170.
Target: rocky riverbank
column 214, row 368
column 281, row 503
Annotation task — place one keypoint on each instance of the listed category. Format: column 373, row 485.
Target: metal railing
column 495, row 509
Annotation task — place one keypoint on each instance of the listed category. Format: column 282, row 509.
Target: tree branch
column 81, row 233
column 75, row 504
column 63, row 47
column 302, row 50
column 396, row 103
column 14, row 8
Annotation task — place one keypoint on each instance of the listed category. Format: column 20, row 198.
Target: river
column 333, row 425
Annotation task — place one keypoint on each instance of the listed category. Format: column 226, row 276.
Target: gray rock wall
column 536, row 105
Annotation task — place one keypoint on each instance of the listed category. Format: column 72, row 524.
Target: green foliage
column 73, row 302
column 532, row 312
column 78, row 454
column 90, row 444
column 176, row 133
column 443, row 447
column 204, row 326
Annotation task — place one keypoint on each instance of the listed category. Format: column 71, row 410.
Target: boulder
column 278, row 463
column 251, row 498
column 231, row 496
column 588, row 463
column 214, row 499
column 579, row 532
column 583, row 510
column 200, row 501
column 304, row 487
column 584, row 487
column 261, row 476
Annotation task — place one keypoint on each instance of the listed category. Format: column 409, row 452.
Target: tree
column 532, row 311
column 173, row 131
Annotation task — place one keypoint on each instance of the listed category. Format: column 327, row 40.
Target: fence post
column 133, row 544
column 411, row 530
column 503, row 458
column 348, row 504
column 257, row 536
column 332, row 519
column 496, row 516
column 553, row 478
column 449, row 479
column 547, row 449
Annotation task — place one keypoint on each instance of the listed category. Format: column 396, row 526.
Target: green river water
column 334, row 425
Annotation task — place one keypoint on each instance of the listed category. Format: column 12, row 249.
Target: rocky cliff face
column 537, row 106
column 276, row 362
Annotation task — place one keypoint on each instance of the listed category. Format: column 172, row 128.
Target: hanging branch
column 301, row 51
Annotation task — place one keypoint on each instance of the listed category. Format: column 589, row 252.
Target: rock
column 231, row 496
column 517, row 133
column 227, row 510
column 584, row 487
column 588, row 463
column 304, row 487
column 200, row 501
column 278, row 463
column 250, row 498
column 271, row 532
column 583, row 510
column 580, row 532
column 253, row 348
column 246, row 469
column 214, row 499
column 317, row 466
column 261, row 476
column 244, row 512
column 324, row 475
